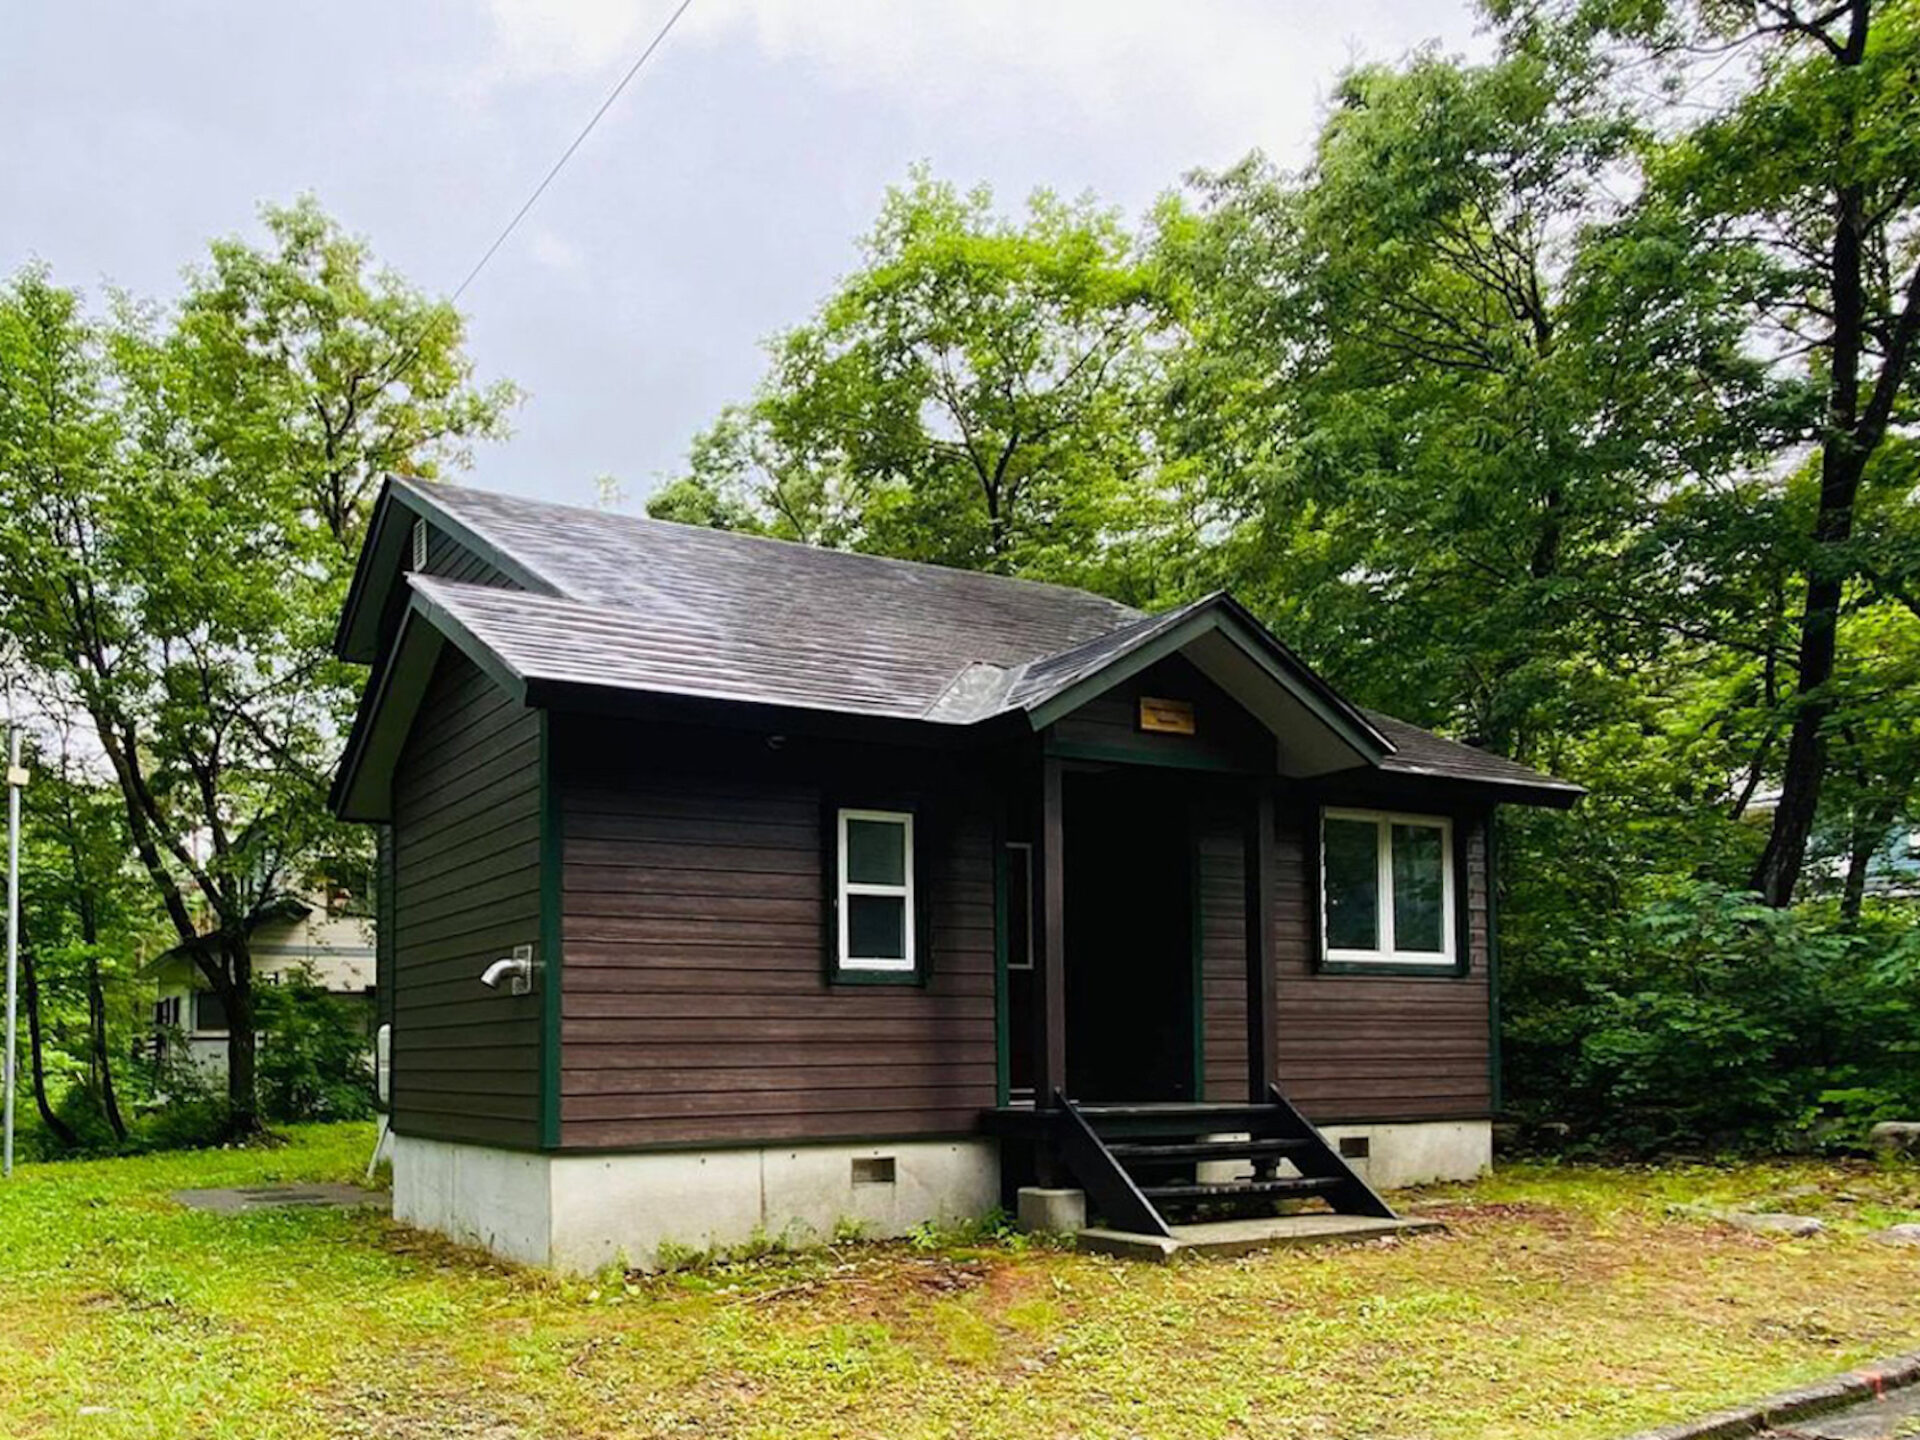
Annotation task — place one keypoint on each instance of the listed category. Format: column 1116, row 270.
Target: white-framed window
column 876, row 891
column 1386, row 888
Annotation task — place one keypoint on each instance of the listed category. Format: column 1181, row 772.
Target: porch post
column 1262, row 1014
column 1049, row 1038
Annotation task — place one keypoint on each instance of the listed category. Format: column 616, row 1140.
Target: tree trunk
column 243, row 1109
column 102, row 1055
column 1843, row 460
column 30, row 982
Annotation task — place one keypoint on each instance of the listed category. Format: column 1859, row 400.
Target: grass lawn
column 1564, row 1302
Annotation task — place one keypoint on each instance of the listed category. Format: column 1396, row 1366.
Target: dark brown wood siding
column 466, row 890
column 1378, row 1047
column 697, row 1006
column 1220, row 845
column 383, row 922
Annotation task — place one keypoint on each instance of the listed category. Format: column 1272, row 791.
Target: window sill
column 875, row 977
column 1403, row 969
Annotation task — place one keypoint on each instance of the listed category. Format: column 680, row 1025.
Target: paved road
column 1897, row 1417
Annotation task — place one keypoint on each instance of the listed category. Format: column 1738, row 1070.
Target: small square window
column 209, row 1011
column 874, row 891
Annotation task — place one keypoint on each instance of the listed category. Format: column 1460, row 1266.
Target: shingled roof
column 563, row 598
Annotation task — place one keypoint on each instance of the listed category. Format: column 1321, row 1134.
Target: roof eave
column 424, row 628
column 381, row 565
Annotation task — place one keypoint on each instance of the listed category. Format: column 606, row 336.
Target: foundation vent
column 1355, row 1147
column 873, row 1170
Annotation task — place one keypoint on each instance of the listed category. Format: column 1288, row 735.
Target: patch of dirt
column 1466, row 1216
column 428, row 1403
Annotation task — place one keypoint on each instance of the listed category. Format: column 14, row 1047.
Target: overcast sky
column 714, row 205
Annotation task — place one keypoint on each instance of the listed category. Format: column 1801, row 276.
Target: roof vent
column 419, row 545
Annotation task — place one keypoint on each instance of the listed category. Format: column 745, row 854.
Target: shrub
column 1704, row 1018
column 312, row 1061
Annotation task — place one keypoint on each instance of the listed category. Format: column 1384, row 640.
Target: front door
column 1130, row 936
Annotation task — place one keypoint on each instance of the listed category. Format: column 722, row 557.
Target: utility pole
column 16, row 778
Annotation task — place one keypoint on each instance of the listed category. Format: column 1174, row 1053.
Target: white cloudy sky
column 714, row 205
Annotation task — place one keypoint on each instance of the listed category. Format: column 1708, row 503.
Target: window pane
column 876, row 927
column 876, row 852
column 1419, row 912
column 1353, row 884
column 209, row 1011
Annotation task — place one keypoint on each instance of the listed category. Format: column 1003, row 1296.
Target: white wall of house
column 338, row 949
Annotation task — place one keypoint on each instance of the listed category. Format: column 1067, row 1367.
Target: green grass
column 1563, row 1301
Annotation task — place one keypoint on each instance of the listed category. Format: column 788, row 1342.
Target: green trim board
column 1115, row 755
column 552, row 862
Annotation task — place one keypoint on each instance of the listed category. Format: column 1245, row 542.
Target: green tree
column 182, row 494
column 979, row 393
column 1808, row 179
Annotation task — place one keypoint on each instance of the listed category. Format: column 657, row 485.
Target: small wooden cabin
column 816, row 887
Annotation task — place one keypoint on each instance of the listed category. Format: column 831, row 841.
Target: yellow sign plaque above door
column 1166, row 717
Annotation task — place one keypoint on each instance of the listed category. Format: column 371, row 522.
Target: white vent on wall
column 383, row 1064
column 419, row 545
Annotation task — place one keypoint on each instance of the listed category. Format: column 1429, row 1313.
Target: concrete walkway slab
column 1890, row 1417
column 1242, row 1237
column 243, row 1199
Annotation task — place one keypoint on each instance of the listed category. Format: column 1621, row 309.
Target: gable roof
column 611, row 602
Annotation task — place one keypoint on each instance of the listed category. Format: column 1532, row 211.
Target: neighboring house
column 847, row 888
column 335, row 943
column 1890, row 872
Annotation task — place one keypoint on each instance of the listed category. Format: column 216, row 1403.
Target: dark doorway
column 1129, row 936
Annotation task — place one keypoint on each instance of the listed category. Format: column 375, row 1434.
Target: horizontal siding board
column 693, row 979
column 696, row 1130
column 672, row 1052
column 875, row 1003
column 940, row 1035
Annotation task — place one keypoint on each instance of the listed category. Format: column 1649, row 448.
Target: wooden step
column 1178, row 1120
column 1154, row 1153
column 1241, row 1189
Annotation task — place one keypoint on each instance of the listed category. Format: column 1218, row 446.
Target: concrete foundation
column 1418, row 1154
column 1052, row 1212
column 577, row 1213
column 1413, row 1153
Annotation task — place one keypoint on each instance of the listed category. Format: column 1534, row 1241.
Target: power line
column 406, row 356
column 567, row 154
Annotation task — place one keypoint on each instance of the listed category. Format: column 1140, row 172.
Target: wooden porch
column 1152, row 1162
